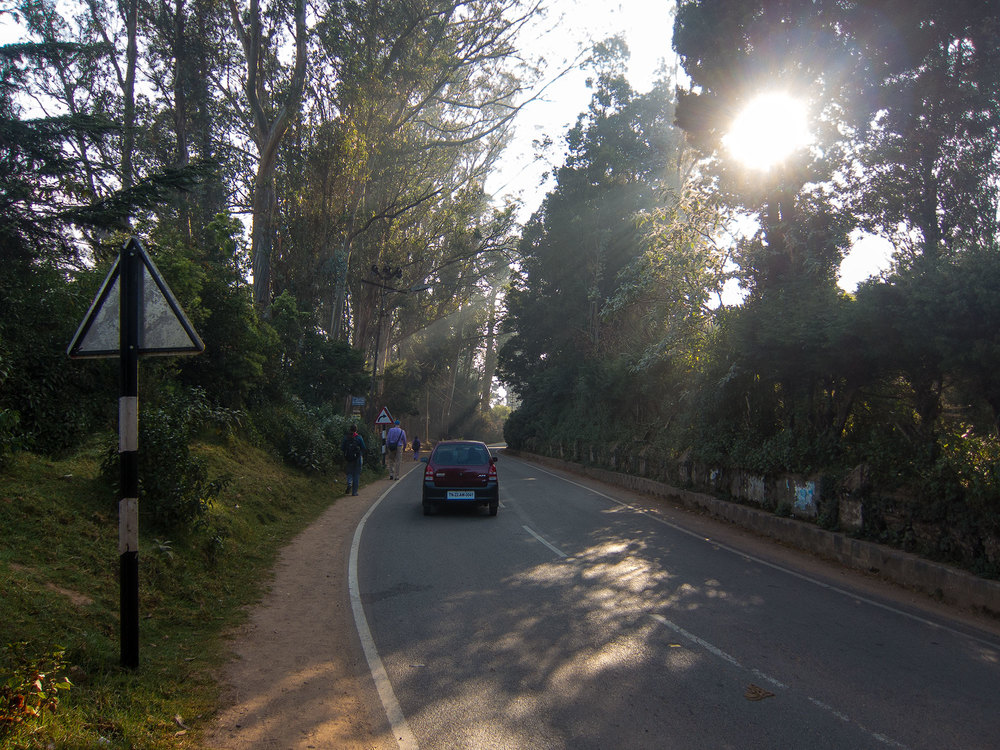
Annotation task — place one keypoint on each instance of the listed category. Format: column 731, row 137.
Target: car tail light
column 493, row 470
column 429, row 473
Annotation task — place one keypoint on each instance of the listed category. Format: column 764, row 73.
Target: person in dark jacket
column 353, row 448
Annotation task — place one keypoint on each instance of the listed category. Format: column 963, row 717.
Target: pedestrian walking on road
column 395, row 442
column 416, row 448
column 353, row 448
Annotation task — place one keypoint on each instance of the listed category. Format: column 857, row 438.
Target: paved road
column 580, row 618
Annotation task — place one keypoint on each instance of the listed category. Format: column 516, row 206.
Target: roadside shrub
column 968, row 467
column 174, row 486
column 336, row 427
column 32, row 687
column 9, row 420
column 309, row 437
column 298, row 435
column 58, row 401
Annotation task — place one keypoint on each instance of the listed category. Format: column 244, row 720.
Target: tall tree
column 273, row 95
column 426, row 92
column 564, row 357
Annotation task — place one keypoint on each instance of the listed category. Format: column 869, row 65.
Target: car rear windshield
column 461, row 455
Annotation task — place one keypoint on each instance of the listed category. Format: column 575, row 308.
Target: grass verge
column 59, row 593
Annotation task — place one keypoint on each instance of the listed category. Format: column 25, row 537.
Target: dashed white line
column 545, row 542
column 695, row 639
column 760, row 561
column 718, row 652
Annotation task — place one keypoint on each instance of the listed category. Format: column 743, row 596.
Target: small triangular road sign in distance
column 164, row 328
column 384, row 417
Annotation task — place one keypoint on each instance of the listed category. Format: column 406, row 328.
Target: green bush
column 304, row 444
column 32, row 686
column 174, row 486
column 309, row 438
column 9, row 420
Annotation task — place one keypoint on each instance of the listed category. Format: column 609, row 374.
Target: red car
column 461, row 472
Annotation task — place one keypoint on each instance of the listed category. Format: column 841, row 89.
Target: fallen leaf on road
column 757, row 693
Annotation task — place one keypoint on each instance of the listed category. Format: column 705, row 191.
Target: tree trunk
column 490, row 361
column 261, row 240
column 131, row 57
column 267, row 133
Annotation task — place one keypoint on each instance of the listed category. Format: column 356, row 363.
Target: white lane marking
column 543, row 541
column 768, row 678
column 718, row 652
column 400, row 729
column 695, row 639
column 843, row 592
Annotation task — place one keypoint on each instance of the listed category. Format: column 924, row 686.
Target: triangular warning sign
column 384, row 417
column 163, row 327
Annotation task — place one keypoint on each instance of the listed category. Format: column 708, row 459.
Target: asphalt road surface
column 583, row 617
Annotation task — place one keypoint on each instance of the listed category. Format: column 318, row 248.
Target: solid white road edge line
column 400, row 729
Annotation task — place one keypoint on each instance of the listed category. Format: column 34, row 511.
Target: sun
column 768, row 130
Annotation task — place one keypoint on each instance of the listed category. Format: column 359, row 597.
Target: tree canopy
column 275, row 158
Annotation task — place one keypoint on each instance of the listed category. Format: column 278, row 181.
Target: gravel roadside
column 299, row 678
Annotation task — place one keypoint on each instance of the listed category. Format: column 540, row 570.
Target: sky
column 572, row 25
column 568, row 27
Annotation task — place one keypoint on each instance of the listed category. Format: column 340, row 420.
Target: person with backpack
column 395, row 442
column 416, row 448
column 353, row 448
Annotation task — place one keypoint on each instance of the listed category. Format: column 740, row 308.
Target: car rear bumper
column 488, row 495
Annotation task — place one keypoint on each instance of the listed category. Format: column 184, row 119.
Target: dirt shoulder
column 299, row 679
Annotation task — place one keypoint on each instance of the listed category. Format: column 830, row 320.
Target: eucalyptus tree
column 572, row 350
column 425, row 92
column 408, row 106
column 272, row 90
column 187, row 53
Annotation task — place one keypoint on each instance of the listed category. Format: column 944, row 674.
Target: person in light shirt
column 395, row 443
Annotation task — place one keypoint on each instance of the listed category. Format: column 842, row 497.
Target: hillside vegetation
column 60, row 595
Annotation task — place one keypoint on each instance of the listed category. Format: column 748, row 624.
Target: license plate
column 461, row 495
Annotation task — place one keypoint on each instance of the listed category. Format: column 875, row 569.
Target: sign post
column 382, row 422
column 134, row 313
column 128, row 452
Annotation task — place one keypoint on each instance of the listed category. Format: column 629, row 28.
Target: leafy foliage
column 50, row 401
column 33, row 687
column 174, row 485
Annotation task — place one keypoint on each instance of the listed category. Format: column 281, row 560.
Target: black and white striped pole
column 134, row 314
column 130, row 290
